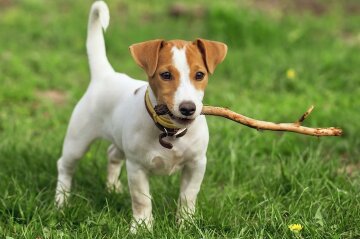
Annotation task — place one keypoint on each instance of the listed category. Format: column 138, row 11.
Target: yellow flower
column 290, row 74
column 295, row 227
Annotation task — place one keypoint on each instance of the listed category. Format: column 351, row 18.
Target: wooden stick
column 305, row 115
column 264, row 125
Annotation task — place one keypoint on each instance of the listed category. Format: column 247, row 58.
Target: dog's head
column 178, row 73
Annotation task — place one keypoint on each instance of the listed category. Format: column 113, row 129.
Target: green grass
column 256, row 184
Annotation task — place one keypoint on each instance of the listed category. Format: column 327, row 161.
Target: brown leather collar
column 171, row 132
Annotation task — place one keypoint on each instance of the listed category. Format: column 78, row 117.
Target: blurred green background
column 282, row 57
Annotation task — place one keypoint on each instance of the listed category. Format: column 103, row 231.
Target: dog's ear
column 146, row 54
column 213, row 53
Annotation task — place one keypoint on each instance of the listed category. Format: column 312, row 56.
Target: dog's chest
column 166, row 161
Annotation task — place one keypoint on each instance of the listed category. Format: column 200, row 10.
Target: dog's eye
column 199, row 75
column 166, row 75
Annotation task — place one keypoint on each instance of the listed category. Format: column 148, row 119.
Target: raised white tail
column 95, row 44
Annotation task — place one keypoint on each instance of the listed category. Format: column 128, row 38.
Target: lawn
column 283, row 56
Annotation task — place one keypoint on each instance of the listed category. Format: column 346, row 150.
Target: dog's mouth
column 180, row 120
column 164, row 110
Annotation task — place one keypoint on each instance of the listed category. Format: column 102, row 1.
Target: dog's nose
column 187, row 108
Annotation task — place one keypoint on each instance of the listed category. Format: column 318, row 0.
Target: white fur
column 110, row 110
column 98, row 20
column 186, row 90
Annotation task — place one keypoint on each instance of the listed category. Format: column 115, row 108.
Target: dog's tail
column 98, row 20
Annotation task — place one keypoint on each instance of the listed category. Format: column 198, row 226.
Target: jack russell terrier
column 121, row 110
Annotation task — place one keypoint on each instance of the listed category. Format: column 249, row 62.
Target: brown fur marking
column 196, row 63
column 156, row 57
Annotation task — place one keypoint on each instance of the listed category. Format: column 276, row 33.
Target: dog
column 122, row 110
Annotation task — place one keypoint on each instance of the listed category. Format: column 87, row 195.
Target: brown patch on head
column 213, row 53
column 196, row 64
column 164, row 90
column 156, row 57
column 146, row 54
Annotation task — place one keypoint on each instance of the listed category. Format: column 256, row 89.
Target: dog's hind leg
column 115, row 162
column 80, row 134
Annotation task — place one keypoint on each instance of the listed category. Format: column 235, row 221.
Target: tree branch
column 264, row 125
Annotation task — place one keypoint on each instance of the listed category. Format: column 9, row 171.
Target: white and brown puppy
column 114, row 108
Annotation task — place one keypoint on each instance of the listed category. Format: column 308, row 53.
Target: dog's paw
column 61, row 199
column 141, row 224
column 114, row 187
column 184, row 218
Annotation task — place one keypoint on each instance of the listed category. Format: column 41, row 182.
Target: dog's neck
column 164, row 123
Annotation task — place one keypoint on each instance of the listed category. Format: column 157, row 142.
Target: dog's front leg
column 191, row 179
column 140, row 196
